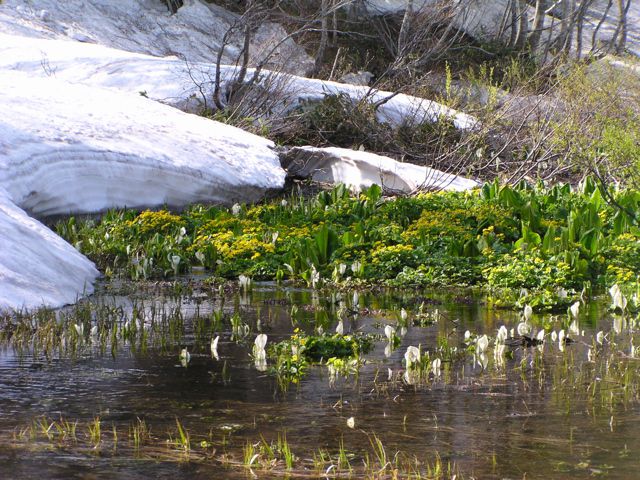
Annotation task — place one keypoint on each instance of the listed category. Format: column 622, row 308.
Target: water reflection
column 501, row 412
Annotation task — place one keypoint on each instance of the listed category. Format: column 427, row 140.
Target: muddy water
column 534, row 416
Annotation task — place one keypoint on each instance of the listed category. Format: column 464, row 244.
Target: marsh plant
column 524, row 244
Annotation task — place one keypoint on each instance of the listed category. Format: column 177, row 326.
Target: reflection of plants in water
column 95, row 432
column 239, row 329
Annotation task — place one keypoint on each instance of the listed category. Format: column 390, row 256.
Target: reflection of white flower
column 554, row 336
column 528, row 313
column 351, row 422
column 575, row 309
column 260, row 364
column 214, row 347
column 482, row 343
column 502, row 335
column 498, row 356
column 258, row 346
column 600, row 337
column 482, row 360
column 574, row 328
column 435, row 367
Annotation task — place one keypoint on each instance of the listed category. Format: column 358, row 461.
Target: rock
column 360, row 170
column 194, row 34
column 360, row 78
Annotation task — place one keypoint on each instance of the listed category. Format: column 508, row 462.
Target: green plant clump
column 522, row 244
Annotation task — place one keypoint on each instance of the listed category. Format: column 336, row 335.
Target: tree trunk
column 324, row 35
column 538, row 24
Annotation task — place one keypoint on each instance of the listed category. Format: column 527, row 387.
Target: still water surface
column 533, row 417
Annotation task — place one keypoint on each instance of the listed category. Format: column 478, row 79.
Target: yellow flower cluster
column 160, row 221
column 382, row 252
column 439, row 223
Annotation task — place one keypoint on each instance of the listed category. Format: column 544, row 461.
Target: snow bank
column 195, row 33
column 36, row 266
column 360, row 170
column 183, row 85
column 69, row 148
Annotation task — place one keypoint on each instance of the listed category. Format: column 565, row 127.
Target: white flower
column 315, row 276
column 261, row 341
column 467, row 336
column 342, row 268
column 389, row 331
column 600, row 337
column 502, row 335
column 214, row 347
column 200, row 257
column 482, row 343
column 528, row 313
column 554, row 336
column 524, row 328
column 236, row 209
column 174, row 260
column 245, row 282
column 355, row 266
column 575, row 309
column 617, row 298
column 351, row 422
column 94, row 331
column 185, row 357
column 540, row 336
column 284, row 203
column 412, row 355
column 340, row 328
column 79, row 329
column 562, row 293
column 404, row 315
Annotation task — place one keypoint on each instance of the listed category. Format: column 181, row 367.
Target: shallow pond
column 108, row 404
